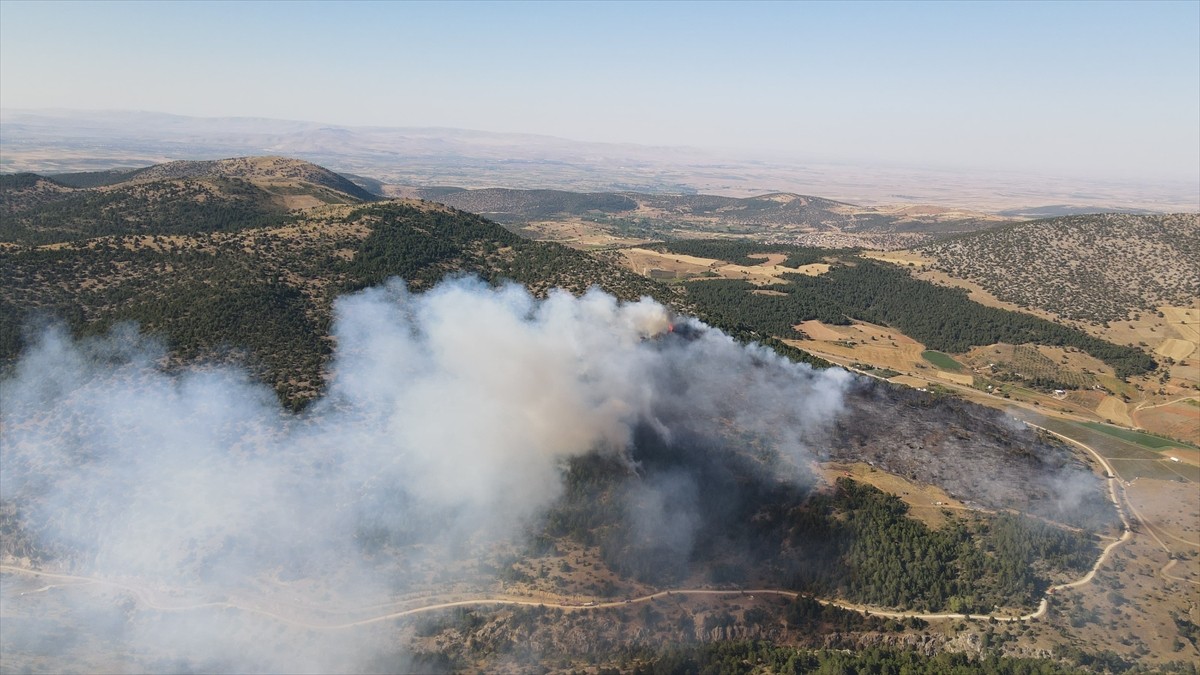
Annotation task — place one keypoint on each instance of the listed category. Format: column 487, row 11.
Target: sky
column 1103, row 90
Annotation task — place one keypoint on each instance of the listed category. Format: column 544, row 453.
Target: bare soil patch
column 902, row 258
column 768, row 274
column 679, row 266
column 658, row 265
column 1177, row 420
column 1169, row 507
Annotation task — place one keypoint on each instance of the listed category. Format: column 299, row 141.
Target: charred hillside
column 973, row 452
column 719, row 495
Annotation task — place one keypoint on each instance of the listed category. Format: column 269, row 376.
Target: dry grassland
column 298, row 202
column 909, row 381
column 926, row 502
column 1185, row 321
column 877, row 345
column 1113, row 408
column 819, row 331
column 769, row 259
column 902, row 258
column 1178, row 324
column 644, row 262
column 959, row 378
column 1086, row 399
column 1175, row 348
column 578, row 234
column 1128, row 607
column 653, row 263
column 1172, row 510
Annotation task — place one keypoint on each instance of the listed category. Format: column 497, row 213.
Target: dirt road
column 146, row 596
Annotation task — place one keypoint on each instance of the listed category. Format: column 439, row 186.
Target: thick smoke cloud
column 448, row 420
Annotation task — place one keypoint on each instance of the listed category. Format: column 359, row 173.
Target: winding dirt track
column 146, row 597
column 1145, row 405
column 1128, row 532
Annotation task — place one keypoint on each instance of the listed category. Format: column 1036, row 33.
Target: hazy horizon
column 1099, row 90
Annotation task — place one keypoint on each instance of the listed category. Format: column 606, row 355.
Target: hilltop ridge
column 265, row 171
column 170, row 198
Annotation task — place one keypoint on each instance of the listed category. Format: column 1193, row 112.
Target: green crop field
column 943, row 361
column 1145, row 440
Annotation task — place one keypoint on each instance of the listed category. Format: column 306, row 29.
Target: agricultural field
column 579, row 234
column 667, row 266
column 1146, row 440
column 1114, row 411
column 943, row 361
column 878, row 346
column 1125, row 450
column 1051, row 367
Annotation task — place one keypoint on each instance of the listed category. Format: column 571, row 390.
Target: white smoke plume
column 448, row 418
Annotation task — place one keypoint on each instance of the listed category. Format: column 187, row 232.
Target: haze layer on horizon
column 1105, row 90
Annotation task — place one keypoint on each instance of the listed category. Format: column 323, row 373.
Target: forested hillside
column 266, row 290
column 942, row 318
column 160, row 208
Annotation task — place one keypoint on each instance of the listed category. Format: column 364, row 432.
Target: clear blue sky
column 1089, row 89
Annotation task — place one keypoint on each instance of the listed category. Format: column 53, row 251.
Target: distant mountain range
column 773, row 215
column 58, row 141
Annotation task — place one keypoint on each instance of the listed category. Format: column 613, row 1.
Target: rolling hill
column 173, row 198
column 774, row 216
column 1093, row 268
column 214, row 260
column 206, row 255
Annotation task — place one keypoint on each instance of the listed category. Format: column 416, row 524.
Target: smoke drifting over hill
column 448, row 420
